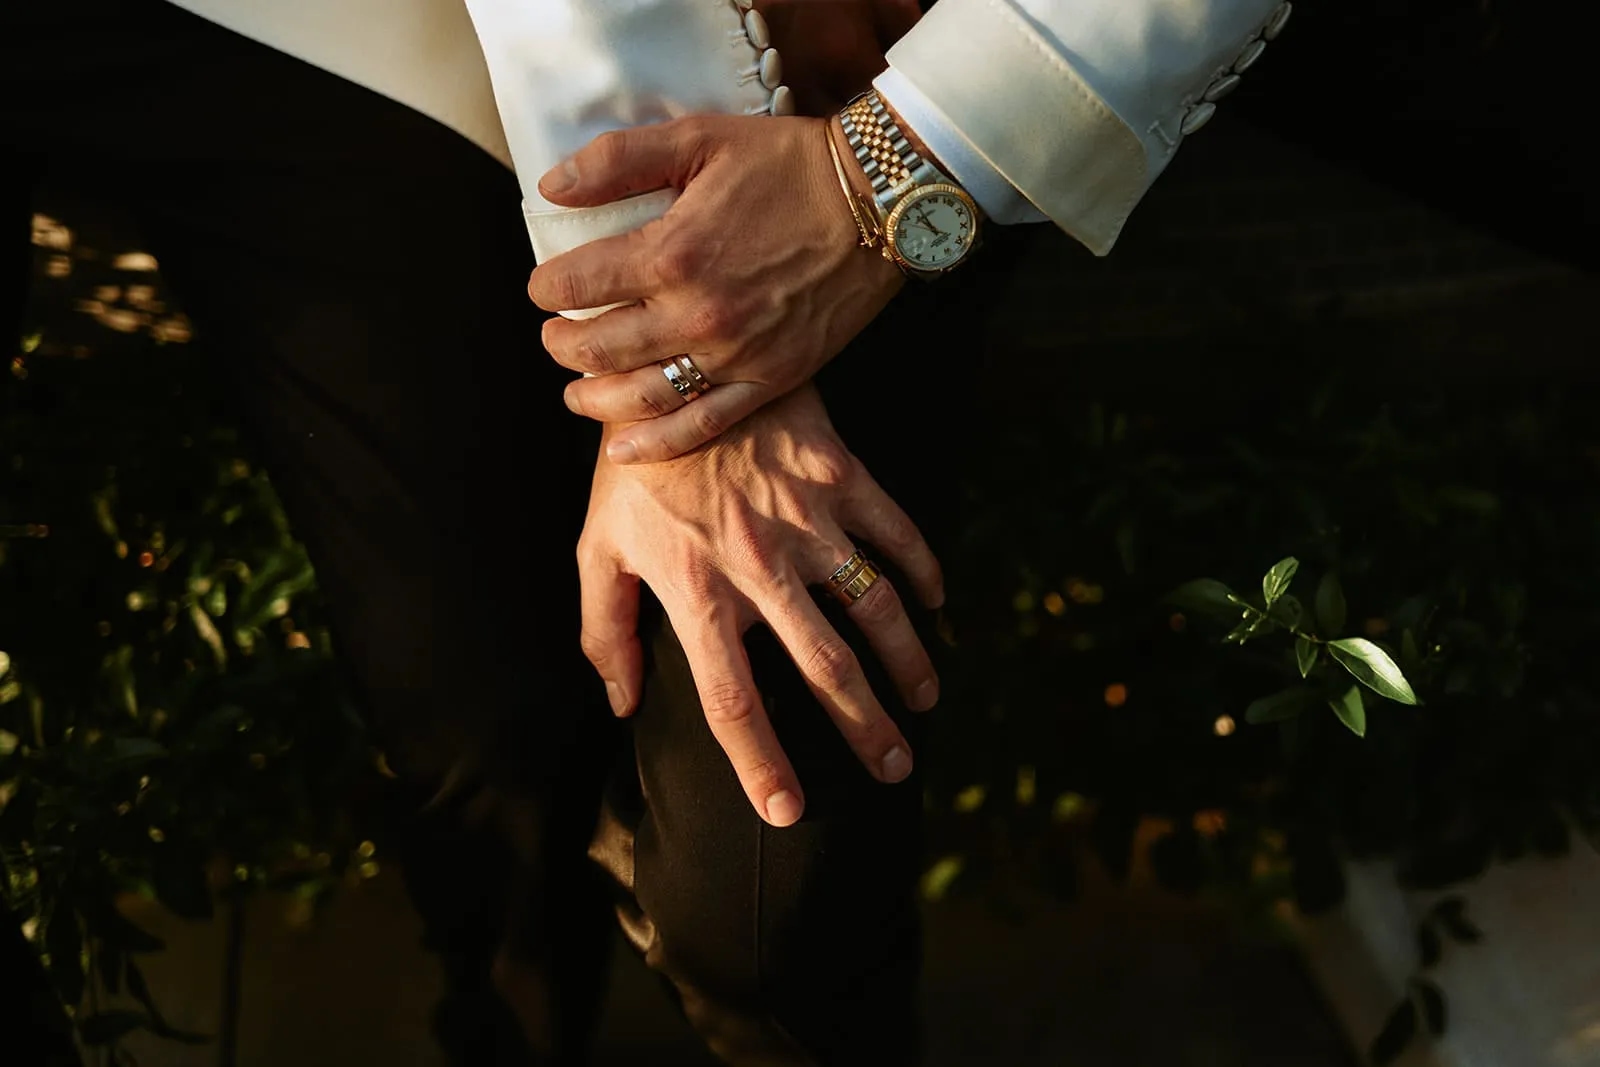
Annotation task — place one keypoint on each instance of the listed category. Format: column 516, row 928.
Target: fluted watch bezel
column 908, row 200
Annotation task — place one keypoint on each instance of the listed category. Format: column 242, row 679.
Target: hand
column 755, row 272
column 832, row 49
column 735, row 535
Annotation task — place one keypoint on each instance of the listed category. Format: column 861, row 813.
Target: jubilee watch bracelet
column 927, row 222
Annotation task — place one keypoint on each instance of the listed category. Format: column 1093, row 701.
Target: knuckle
column 697, row 584
column 646, row 401
column 830, row 463
column 556, row 292
column 762, row 777
column 875, row 735
column 707, row 421
column 897, row 534
column 710, row 321
column 694, row 133
column 596, row 649
column 590, row 552
column 610, row 149
column 727, row 703
column 590, row 355
column 831, row 664
column 679, row 262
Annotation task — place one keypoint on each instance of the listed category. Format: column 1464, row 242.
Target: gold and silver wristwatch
column 927, row 222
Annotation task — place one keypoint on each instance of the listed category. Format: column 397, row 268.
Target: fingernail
column 925, row 697
column 622, row 452
column 896, row 765
column 783, row 808
column 560, row 178
column 618, row 698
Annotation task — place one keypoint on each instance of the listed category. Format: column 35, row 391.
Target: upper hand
column 735, row 535
column 755, row 272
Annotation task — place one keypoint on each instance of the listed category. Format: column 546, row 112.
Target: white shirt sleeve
column 1070, row 109
column 565, row 71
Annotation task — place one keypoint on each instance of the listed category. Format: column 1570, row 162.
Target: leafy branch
column 1362, row 660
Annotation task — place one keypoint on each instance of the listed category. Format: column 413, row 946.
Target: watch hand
column 923, row 214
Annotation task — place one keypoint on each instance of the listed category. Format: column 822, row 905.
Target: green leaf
column 1433, row 1009
column 109, row 1026
column 1330, row 605
column 1305, row 655
column 1351, row 711
column 1396, row 1034
column 1372, row 667
column 1205, row 596
column 1276, row 581
column 1284, row 704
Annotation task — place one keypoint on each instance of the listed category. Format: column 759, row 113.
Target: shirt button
column 782, row 101
column 1223, row 86
column 1279, row 19
column 1197, row 117
column 755, row 28
column 1247, row 58
column 771, row 68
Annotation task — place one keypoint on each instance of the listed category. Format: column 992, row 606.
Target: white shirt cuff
column 1000, row 200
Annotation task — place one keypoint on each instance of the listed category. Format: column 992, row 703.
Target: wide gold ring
column 685, row 377
column 851, row 579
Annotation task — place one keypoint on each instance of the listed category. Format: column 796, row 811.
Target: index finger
column 714, row 647
column 610, row 270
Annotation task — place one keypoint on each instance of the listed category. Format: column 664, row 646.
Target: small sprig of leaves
column 1366, row 663
column 1424, row 1000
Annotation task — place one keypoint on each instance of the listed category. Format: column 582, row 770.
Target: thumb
column 623, row 163
column 610, row 636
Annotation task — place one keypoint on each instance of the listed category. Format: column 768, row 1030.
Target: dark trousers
column 358, row 270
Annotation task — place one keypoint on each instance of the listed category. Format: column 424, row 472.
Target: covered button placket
column 1201, row 111
column 766, row 65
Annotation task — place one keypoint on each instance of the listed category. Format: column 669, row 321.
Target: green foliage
column 1447, row 633
column 1363, row 660
column 171, row 720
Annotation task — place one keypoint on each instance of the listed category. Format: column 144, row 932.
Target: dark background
column 1353, row 323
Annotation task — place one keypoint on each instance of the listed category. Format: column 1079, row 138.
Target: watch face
column 933, row 228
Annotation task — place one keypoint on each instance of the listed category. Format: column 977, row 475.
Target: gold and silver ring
column 851, row 579
column 685, row 377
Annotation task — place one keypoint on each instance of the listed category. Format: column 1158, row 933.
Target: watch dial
column 933, row 231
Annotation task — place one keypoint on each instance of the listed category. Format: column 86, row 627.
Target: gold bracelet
column 869, row 239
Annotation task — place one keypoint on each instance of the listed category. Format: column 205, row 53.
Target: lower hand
column 735, row 535
column 755, row 272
